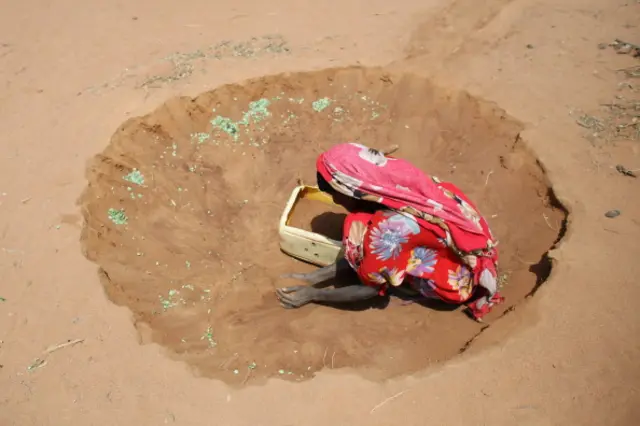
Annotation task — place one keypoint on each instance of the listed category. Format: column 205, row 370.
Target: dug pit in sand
column 181, row 214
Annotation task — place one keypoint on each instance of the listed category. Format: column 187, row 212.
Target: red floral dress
column 391, row 247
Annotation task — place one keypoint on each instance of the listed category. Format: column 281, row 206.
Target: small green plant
column 118, row 216
column 135, row 177
column 209, row 336
column 321, row 104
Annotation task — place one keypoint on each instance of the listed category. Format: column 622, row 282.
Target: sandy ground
column 74, row 71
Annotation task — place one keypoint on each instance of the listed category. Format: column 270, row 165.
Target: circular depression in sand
column 181, row 214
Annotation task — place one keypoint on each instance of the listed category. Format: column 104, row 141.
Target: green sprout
column 227, row 125
column 169, row 302
column 118, row 216
column 258, row 111
column 135, row 177
column 209, row 336
column 200, row 137
column 321, row 104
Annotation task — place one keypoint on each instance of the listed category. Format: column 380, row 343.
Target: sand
column 181, row 215
column 75, row 81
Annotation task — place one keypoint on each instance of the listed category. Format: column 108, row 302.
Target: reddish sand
column 197, row 257
column 74, row 72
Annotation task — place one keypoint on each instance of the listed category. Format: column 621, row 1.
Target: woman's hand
column 296, row 296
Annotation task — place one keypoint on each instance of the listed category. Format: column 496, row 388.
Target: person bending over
column 403, row 227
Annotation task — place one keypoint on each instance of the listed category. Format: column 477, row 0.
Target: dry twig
column 546, row 219
column 391, row 398
column 54, row 348
column 486, row 182
column 41, row 362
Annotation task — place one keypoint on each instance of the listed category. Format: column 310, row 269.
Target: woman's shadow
column 330, row 224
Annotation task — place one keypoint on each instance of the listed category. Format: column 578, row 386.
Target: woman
column 403, row 227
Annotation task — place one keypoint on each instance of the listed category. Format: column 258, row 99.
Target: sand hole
column 182, row 207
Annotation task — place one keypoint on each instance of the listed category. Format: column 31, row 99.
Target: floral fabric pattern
column 388, row 248
column 372, row 156
column 384, row 276
column 469, row 213
column 460, row 280
column 388, row 237
column 345, row 183
column 422, row 261
column 355, row 232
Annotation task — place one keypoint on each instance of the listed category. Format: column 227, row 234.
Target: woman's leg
column 295, row 297
column 321, row 274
